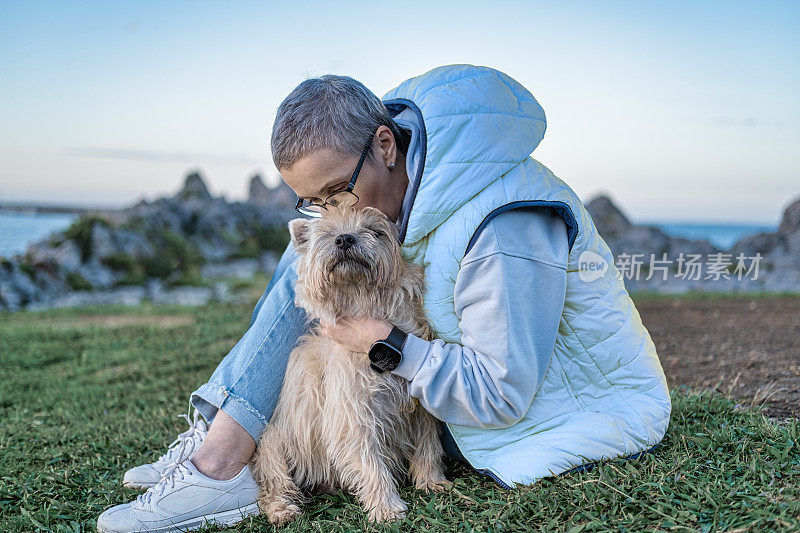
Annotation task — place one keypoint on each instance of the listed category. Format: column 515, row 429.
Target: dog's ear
column 299, row 230
column 374, row 211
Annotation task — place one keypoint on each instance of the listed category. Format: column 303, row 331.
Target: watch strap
column 397, row 338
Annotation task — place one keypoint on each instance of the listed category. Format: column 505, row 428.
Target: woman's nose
column 345, row 241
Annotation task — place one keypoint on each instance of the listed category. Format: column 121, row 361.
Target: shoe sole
column 226, row 518
column 133, row 485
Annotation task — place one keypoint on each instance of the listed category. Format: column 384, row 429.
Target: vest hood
column 476, row 123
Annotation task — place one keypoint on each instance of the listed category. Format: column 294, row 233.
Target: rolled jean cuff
column 211, row 397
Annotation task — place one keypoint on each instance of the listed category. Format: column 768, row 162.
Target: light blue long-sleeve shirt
column 508, row 333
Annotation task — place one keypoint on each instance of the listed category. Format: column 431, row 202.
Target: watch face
column 384, row 356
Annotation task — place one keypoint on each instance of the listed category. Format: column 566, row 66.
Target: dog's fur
column 339, row 423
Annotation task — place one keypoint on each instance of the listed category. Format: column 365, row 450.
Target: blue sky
column 679, row 110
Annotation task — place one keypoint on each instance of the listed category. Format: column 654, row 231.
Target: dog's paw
column 280, row 514
column 385, row 513
column 430, row 485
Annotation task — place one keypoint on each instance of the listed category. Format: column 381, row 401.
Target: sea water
column 19, row 229
column 722, row 236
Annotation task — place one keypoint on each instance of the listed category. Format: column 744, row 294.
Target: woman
column 538, row 367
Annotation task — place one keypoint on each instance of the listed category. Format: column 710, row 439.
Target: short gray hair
column 334, row 112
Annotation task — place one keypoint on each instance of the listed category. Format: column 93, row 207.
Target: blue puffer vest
column 604, row 394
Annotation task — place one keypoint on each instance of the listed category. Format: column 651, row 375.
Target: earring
column 391, row 165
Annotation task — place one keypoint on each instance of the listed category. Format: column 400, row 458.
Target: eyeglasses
column 342, row 197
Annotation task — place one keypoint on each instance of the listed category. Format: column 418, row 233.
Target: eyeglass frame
column 349, row 188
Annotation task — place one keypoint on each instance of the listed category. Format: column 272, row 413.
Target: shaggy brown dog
column 338, row 422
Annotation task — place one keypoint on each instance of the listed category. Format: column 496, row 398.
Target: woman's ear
column 299, row 232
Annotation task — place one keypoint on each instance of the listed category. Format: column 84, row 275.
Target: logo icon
column 591, row 266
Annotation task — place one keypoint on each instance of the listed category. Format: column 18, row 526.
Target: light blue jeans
column 247, row 382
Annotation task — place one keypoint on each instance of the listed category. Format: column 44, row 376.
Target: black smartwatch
column 386, row 354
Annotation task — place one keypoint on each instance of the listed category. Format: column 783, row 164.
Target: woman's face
column 317, row 175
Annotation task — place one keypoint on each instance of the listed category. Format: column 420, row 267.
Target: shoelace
column 197, row 431
column 176, row 469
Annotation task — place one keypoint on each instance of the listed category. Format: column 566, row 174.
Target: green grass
column 86, row 394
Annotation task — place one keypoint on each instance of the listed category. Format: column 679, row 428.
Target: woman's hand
column 356, row 334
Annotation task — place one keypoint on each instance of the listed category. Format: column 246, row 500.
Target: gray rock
column 779, row 251
column 191, row 296
column 21, row 284
column 50, row 283
column 269, row 262
column 66, row 255
column 283, row 196
column 608, row 219
column 280, row 197
column 780, row 248
column 238, row 268
column 624, row 237
column 193, row 188
column 778, row 267
column 103, row 244
column 220, row 292
column 152, row 288
column 98, row 275
column 10, row 299
column 257, row 191
column 133, row 244
column 127, row 296
column 152, row 237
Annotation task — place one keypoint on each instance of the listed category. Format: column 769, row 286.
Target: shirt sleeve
column 509, row 296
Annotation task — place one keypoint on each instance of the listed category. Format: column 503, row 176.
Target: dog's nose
column 345, row 241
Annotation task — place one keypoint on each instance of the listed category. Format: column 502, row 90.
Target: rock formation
column 181, row 248
column 780, row 251
column 257, row 192
column 762, row 262
column 623, row 236
column 194, row 187
column 169, row 242
column 279, row 197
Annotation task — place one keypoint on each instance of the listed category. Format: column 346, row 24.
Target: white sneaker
column 184, row 447
column 184, row 499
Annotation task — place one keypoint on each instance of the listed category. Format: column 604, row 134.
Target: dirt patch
column 751, row 346
column 121, row 321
